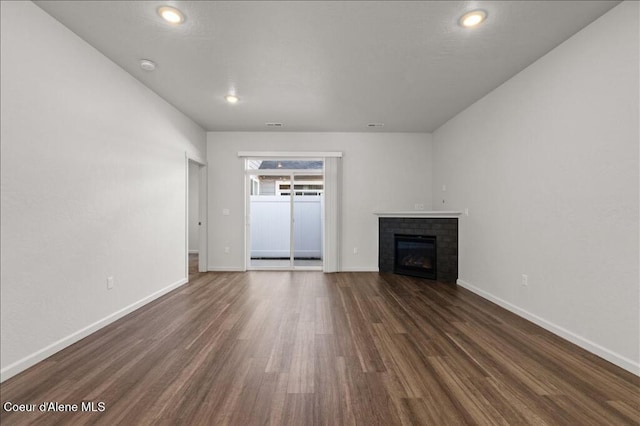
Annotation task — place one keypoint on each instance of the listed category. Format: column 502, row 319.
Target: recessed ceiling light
column 147, row 65
column 232, row 99
column 171, row 15
column 473, row 18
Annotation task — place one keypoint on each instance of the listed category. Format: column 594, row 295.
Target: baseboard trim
column 44, row 353
column 225, row 269
column 348, row 269
column 602, row 352
column 360, row 269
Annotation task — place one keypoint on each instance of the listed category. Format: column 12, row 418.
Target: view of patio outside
column 270, row 213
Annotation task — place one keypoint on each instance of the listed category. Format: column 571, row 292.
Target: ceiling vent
column 273, row 124
column 375, row 125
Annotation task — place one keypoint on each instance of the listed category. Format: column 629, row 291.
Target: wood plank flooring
column 306, row 348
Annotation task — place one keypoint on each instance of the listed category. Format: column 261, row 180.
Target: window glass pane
column 307, row 225
column 284, row 164
column 270, row 223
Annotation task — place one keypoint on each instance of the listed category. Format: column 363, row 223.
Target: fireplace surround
column 445, row 231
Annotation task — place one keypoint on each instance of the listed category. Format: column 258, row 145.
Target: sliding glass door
column 284, row 214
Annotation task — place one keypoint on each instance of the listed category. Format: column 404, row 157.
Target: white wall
column 194, row 207
column 93, row 185
column 548, row 166
column 380, row 171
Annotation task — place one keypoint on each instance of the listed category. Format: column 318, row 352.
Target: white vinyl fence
column 271, row 226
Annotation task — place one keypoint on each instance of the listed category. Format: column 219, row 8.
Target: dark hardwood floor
column 305, row 348
column 193, row 265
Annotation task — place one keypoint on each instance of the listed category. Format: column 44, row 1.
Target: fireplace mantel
column 420, row 214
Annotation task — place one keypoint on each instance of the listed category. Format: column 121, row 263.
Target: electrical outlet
column 418, row 206
column 109, row 283
column 525, row 280
column 225, row 212
column 227, row 249
column 466, row 211
column 355, row 250
column 444, row 187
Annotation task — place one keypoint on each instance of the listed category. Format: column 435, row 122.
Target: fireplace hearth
column 415, row 255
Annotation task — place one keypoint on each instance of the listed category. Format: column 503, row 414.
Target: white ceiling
column 325, row 65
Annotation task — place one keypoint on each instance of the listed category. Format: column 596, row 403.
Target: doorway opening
column 196, row 244
column 285, row 214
